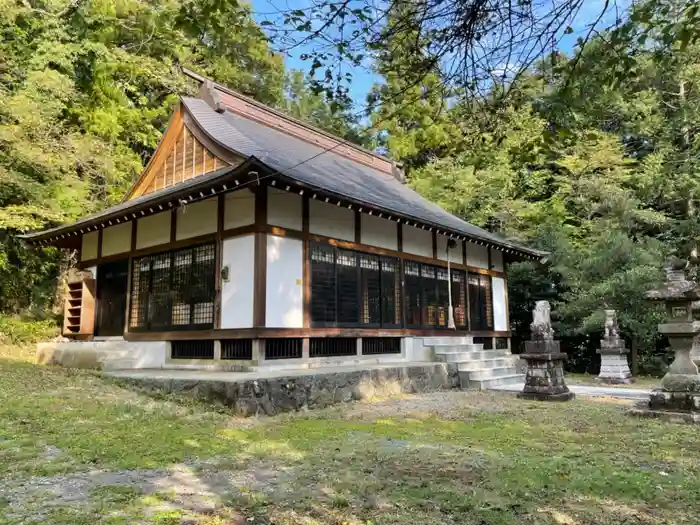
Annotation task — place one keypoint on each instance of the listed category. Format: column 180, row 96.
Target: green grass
column 639, row 382
column 475, row 458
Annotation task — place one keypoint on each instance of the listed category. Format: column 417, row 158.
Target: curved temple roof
column 318, row 168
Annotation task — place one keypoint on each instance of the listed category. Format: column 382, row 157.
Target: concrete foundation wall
column 98, row 355
column 258, row 396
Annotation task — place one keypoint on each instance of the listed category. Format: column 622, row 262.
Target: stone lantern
column 679, row 395
column 544, row 380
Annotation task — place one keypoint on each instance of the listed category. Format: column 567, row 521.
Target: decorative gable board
column 180, row 156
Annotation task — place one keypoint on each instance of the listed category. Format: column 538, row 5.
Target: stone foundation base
column 669, row 416
column 539, row 396
column 286, row 393
column 675, row 407
column 544, row 380
column 613, row 380
column 614, row 369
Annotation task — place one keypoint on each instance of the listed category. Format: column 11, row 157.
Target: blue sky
column 364, row 78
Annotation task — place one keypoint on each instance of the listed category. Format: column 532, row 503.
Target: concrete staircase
column 478, row 368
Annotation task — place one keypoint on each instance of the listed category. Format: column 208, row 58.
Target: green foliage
column 601, row 173
column 303, row 103
column 17, row 330
column 85, row 90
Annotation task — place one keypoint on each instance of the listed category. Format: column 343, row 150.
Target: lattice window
column 197, row 349
column 332, row 347
column 371, row 290
column 323, row 288
column 241, row 349
column 391, row 292
column 442, row 303
column 459, row 297
column 381, row 345
column 174, row 290
column 283, row 348
column 480, row 302
column 413, row 288
column 350, row 289
column 501, row 343
column 486, row 341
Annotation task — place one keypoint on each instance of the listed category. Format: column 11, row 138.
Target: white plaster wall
column 379, row 232
column 284, row 209
column 417, row 241
column 153, row 230
column 116, row 239
column 285, row 284
column 237, row 294
column 239, row 209
column 497, row 260
column 477, row 255
column 500, row 304
column 198, row 218
column 330, row 220
column 455, row 253
column 88, row 249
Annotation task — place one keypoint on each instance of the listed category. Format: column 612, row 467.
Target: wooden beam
column 276, row 333
column 435, row 245
column 464, row 253
column 358, row 227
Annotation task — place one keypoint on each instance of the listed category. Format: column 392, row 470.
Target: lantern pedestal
column 544, row 380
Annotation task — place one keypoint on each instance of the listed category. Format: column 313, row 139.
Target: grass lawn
column 76, row 449
column 639, row 382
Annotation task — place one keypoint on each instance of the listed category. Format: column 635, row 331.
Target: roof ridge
column 294, row 120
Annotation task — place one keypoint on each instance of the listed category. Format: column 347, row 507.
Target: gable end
column 183, row 154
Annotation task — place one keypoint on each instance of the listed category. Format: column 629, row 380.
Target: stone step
column 490, row 373
column 486, row 384
column 499, row 362
column 441, row 349
column 464, row 357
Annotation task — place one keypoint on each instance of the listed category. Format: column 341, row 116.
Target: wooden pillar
column 260, row 269
column 306, row 263
column 219, row 254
